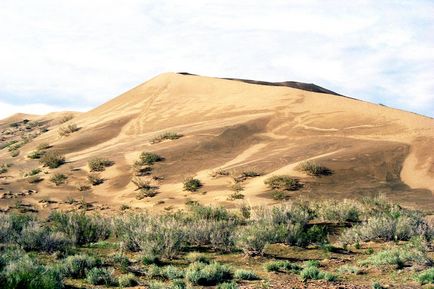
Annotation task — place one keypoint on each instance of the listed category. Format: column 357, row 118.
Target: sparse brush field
column 351, row 244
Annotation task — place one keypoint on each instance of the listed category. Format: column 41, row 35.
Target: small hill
column 232, row 126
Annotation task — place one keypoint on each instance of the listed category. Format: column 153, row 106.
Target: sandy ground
column 237, row 126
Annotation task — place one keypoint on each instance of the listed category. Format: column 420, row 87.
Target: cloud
column 83, row 53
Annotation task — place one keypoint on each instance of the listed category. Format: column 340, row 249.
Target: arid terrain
column 196, row 148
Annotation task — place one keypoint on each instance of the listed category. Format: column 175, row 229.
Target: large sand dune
column 237, row 125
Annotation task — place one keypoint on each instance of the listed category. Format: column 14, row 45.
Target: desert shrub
column 157, row 285
column 278, row 195
column 52, row 160
column 252, row 239
column 283, row 183
column 35, row 237
column 426, row 277
column 127, row 280
column 151, row 260
column 8, row 144
column 83, row 187
column 43, row 146
column 342, row 211
column 80, row 228
column 219, row 173
column 37, row 154
column 242, row 274
column 101, row 276
column 166, row 136
column 200, row 212
column 147, row 158
column 396, row 224
column 314, row 169
column 4, row 168
column 58, row 179
column 33, row 172
column 34, row 179
column 413, row 252
column 99, row 164
column 285, row 266
column 228, row 285
column 15, row 153
column 349, row 269
column 207, row 274
column 95, row 179
column 192, row 185
column 313, row 273
column 171, row 272
column 67, row 130
column 197, row 257
column 26, row 273
column 66, row 118
column 141, row 171
column 237, row 187
column 145, row 188
column 215, row 234
column 16, row 146
column 236, row 196
column 76, row 266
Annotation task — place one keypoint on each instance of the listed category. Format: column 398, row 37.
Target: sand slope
column 235, row 125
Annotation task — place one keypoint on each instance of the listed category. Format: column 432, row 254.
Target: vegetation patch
column 283, row 183
column 99, row 164
column 52, row 160
column 64, row 131
column 314, row 169
column 192, row 184
column 58, row 179
column 166, row 136
column 148, row 158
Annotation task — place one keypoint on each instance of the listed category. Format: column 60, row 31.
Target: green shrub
column 80, row 228
column 37, row 154
column 253, row 239
column 197, row 257
column 283, row 183
column 52, row 160
column 313, row 273
column 228, row 285
column 76, row 266
column 127, row 280
column 99, row 165
column 166, row 136
column 4, row 168
column 95, row 179
column 145, row 188
column 26, row 273
column 122, row 262
column 313, row 169
column 157, row 285
column 349, row 269
column 201, row 212
column 33, row 172
column 339, row 211
column 236, row 196
column 147, row 158
column 15, row 153
column 208, row 274
column 278, row 195
column 35, row 237
column 101, row 276
column 376, row 285
column 171, row 272
column 192, row 185
column 426, row 277
column 276, row 266
column 151, row 260
column 242, row 274
column 58, row 179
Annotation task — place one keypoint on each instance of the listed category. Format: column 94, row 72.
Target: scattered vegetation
column 99, row 164
column 283, row 183
column 426, row 277
column 95, row 179
column 145, row 188
column 147, row 158
column 52, row 160
column 166, row 136
column 58, row 179
column 192, row 184
column 4, row 168
column 314, row 169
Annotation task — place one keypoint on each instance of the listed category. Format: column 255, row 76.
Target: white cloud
column 81, row 53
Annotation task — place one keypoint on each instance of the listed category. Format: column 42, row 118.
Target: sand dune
column 238, row 125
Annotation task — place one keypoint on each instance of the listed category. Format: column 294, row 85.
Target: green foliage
column 76, row 266
column 58, row 179
column 26, row 273
column 313, row 273
column 242, row 274
column 4, row 168
column 253, row 239
column 200, row 212
column 145, row 188
column 207, row 274
column 197, row 257
column 171, row 272
column 127, row 280
column 33, row 172
column 286, row 266
column 426, row 277
column 37, row 154
column 80, row 228
column 99, row 164
column 192, row 185
column 349, row 269
column 166, row 136
column 283, row 183
column 35, row 237
column 148, row 158
column 314, row 169
column 228, row 285
column 52, row 159
column 278, row 195
column 339, row 211
column 101, row 276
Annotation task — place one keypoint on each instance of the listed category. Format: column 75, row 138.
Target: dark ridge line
column 294, row 84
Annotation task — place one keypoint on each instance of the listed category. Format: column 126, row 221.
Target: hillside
column 232, row 125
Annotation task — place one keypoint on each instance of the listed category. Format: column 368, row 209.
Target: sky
column 77, row 54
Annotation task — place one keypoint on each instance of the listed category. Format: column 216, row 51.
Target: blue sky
column 74, row 55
